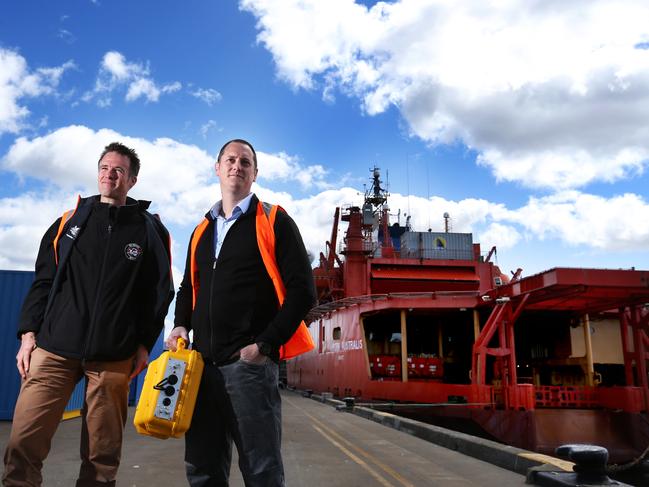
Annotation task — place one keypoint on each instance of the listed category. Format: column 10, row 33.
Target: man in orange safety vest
column 246, row 289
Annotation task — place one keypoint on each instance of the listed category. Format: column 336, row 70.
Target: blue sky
column 526, row 121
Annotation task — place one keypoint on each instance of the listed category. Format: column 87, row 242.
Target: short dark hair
column 239, row 141
column 125, row 151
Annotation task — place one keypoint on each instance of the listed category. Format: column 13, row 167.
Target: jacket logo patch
column 73, row 232
column 132, row 251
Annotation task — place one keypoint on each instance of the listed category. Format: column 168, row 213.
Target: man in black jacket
column 240, row 323
column 96, row 307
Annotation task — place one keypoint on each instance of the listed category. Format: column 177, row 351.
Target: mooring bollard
column 348, row 406
column 590, row 462
column 589, row 469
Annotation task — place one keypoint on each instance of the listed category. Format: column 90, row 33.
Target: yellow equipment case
column 169, row 393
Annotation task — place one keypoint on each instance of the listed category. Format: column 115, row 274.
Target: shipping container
column 14, row 286
column 13, row 289
column 437, row 245
column 75, row 404
column 138, row 382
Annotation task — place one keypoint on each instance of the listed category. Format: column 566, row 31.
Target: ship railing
column 367, row 246
column 519, row 396
column 623, row 398
column 436, row 254
column 581, row 397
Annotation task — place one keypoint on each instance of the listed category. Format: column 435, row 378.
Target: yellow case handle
column 181, row 344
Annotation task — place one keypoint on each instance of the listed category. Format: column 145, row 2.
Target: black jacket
column 111, row 289
column 236, row 303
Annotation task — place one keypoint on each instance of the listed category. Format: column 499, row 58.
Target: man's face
column 236, row 169
column 115, row 179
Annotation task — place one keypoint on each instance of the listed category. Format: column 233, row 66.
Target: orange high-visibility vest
column 301, row 341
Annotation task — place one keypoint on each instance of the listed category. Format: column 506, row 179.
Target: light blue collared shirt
column 222, row 224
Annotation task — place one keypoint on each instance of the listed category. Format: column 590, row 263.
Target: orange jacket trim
column 64, row 218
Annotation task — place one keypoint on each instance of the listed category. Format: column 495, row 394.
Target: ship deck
column 321, row 447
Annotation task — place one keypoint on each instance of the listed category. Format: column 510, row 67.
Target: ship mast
column 376, row 213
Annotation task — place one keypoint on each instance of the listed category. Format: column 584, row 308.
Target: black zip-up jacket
column 236, row 303
column 111, row 289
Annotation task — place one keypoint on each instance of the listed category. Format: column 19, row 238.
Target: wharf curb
column 523, row 462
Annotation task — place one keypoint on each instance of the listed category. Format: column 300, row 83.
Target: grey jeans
column 237, row 402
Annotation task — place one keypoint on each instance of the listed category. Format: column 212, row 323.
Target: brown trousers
column 42, row 400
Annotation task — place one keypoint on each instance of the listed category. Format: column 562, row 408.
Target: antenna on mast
column 408, row 180
column 428, row 193
column 447, row 222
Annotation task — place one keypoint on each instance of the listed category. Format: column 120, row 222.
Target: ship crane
column 491, row 252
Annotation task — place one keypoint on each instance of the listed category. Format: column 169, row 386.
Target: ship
column 426, row 319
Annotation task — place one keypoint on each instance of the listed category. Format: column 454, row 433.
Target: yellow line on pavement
column 390, row 471
column 360, row 461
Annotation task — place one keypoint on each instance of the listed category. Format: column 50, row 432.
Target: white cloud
column 17, row 83
column 314, row 214
column 549, row 94
column 116, row 72
column 590, row 226
column 170, row 171
column 66, row 36
column 19, row 236
column 115, row 64
column 180, row 180
column 206, row 127
column 571, row 217
column 282, row 167
column 208, row 95
column 172, row 87
column 588, row 220
column 502, row 236
column 143, row 87
column 466, row 216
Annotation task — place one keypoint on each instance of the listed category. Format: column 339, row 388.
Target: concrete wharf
column 321, row 447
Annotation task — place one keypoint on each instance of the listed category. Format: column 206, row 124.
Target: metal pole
column 366, row 349
column 404, row 348
column 590, row 375
column 624, row 334
column 641, row 356
column 475, row 373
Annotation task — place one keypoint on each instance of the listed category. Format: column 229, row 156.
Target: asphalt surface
column 321, row 447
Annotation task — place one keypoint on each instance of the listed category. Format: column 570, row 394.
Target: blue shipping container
column 78, row 397
column 13, row 289
column 138, row 382
column 14, row 286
